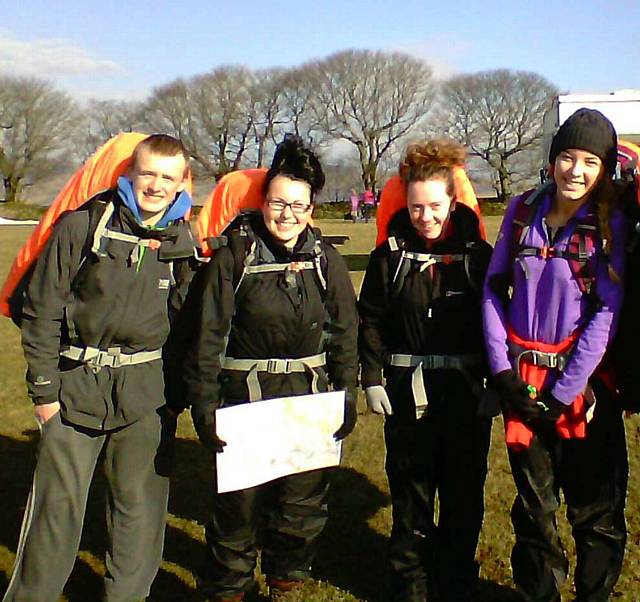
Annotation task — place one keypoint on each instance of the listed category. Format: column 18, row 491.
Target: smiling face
column 156, row 180
column 576, row 173
column 287, row 209
column 429, row 207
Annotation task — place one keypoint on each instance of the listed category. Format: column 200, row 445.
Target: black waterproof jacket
column 435, row 311
column 77, row 297
column 269, row 317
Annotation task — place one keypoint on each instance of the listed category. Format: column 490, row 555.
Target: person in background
column 368, row 203
column 354, row 199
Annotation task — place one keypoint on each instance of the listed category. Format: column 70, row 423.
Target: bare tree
column 269, row 116
column 216, row 115
column 302, row 113
column 225, row 107
column 38, row 122
column 370, row 99
column 342, row 174
column 171, row 108
column 498, row 115
column 107, row 118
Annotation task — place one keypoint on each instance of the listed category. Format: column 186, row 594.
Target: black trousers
column 445, row 452
column 592, row 474
column 283, row 517
column 137, row 461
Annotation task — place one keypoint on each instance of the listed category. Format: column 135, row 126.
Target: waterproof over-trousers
column 444, row 452
column 137, row 462
column 592, row 474
column 283, row 517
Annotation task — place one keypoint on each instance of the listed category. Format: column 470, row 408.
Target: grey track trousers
column 137, row 461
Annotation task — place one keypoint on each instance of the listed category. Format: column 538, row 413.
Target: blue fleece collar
column 175, row 211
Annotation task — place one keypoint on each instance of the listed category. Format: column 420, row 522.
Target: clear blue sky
column 92, row 48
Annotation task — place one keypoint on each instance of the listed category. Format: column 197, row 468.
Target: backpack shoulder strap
column 524, row 215
column 242, row 243
column 100, row 211
column 583, row 245
column 320, row 261
column 471, row 249
column 399, row 266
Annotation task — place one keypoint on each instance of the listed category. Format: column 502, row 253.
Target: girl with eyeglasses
column 276, row 317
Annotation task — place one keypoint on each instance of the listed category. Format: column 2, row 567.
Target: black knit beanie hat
column 589, row 130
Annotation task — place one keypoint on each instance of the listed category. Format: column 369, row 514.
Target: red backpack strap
column 583, row 245
column 523, row 217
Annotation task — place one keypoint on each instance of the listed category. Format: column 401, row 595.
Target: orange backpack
column 236, row 192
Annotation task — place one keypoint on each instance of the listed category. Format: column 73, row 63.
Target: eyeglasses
column 296, row 207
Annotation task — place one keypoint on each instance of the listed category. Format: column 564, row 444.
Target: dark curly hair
column 296, row 161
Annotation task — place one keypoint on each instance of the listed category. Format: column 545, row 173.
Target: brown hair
column 162, row 144
column 433, row 159
column 606, row 196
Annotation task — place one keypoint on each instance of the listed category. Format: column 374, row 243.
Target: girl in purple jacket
column 551, row 302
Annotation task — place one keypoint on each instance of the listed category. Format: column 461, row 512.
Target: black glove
column 350, row 416
column 205, row 425
column 515, row 395
column 551, row 408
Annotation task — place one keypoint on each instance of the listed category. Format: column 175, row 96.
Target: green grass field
column 351, row 560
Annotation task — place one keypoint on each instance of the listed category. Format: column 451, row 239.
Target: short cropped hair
column 165, row 145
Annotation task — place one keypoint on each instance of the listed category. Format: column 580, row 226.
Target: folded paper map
column 277, row 437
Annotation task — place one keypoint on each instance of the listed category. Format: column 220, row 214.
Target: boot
column 279, row 588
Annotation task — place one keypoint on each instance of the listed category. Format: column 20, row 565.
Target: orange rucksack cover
column 100, row 172
column 236, row 191
column 394, row 198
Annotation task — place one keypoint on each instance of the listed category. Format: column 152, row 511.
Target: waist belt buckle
column 109, row 358
column 544, row 359
column 279, row 366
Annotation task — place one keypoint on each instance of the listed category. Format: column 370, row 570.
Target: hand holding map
column 277, row 437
